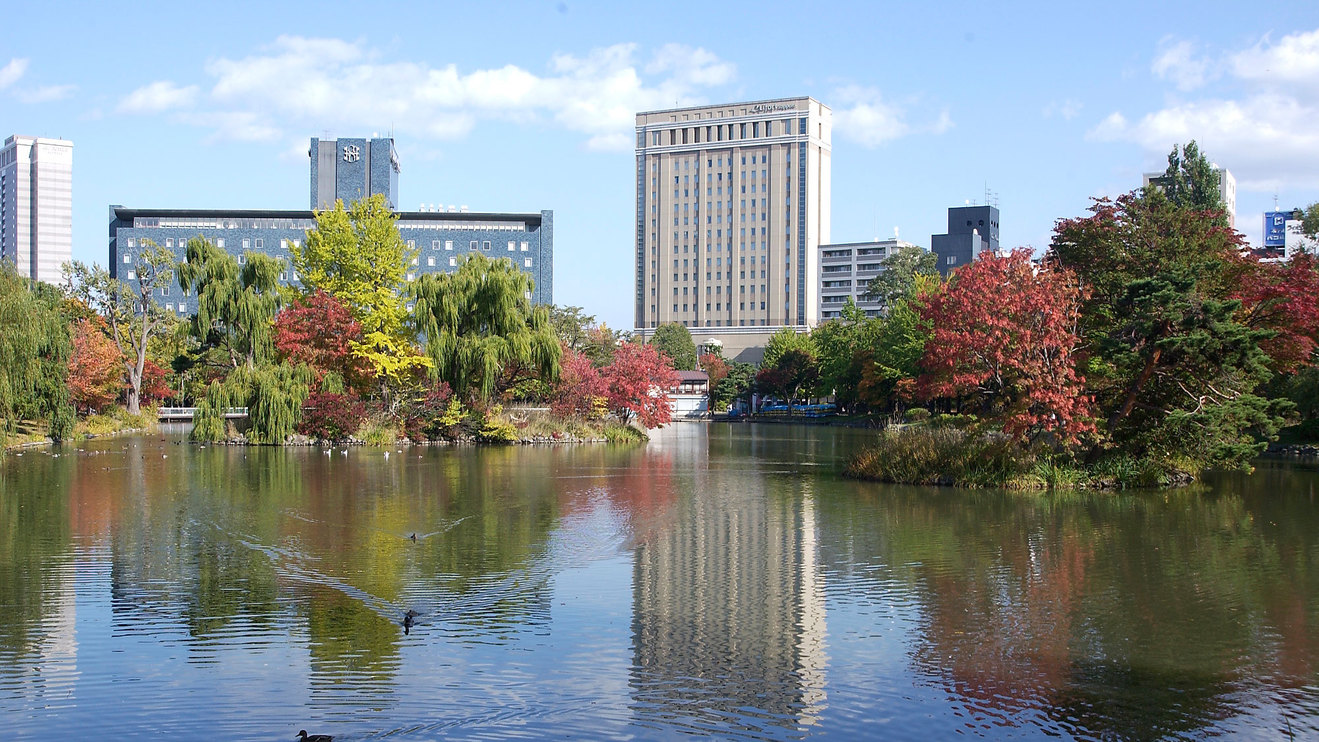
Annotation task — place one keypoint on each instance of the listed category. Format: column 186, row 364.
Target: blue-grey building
column 440, row 239
column 971, row 231
column 352, row 169
column 359, row 167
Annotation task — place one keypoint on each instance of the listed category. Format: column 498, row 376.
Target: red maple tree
column 155, row 383
column 580, row 388
column 318, row 330
column 1005, row 333
column 637, row 382
column 1284, row 298
column 96, row 369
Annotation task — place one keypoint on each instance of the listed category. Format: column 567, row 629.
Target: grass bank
column 953, row 457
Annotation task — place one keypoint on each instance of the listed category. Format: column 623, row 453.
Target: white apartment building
column 845, row 273
column 732, row 206
column 36, row 206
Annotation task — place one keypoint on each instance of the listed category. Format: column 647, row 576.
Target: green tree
column 1190, row 181
column 782, row 341
column 358, row 257
column 571, row 325
column 35, row 347
column 128, row 307
column 899, row 273
column 272, row 394
column 235, row 303
column 480, row 325
column 1174, row 371
column 674, row 340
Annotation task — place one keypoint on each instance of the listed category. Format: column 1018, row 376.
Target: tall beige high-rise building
column 732, row 204
column 36, row 206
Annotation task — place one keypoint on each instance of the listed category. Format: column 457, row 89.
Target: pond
column 722, row 581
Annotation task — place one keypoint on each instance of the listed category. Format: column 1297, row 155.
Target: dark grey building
column 352, row 169
column 971, row 231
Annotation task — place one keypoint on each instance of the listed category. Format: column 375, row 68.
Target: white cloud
column 159, row 96
column 862, row 114
column 1267, row 137
column 1068, row 109
column 1179, row 64
column 10, row 73
column 242, row 126
column 319, row 84
column 46, row 93
column 1292, row 63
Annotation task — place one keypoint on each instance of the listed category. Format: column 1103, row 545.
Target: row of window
column 717, row 133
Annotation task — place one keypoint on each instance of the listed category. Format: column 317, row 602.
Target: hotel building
column 732, row 206
column 353, row 169
column 36, row 206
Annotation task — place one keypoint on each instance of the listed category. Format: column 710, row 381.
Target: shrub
column 496, row 429
column 433, row 415
column 618, row 433
column 942, row 456
column 917, row 415
column 331, row 417
column 378, row 432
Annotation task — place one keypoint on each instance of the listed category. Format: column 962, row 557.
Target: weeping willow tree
column 34, row 355
column 272, row 394
column 480, row 326
column 235, row 302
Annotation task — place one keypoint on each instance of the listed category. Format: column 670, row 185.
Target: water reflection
column 727, row 612
column 721, row 581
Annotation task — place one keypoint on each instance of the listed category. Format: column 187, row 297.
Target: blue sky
column 527, row 105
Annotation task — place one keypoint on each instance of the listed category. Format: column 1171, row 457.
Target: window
column 412, row 276
column 412, row 244
column 430, row 261
column 132, row 275
column 448, row 244
column 952, row 259
column 169, row 307
column 474, row 245
column 485, row 245
column 164, row 291
column 128, row 258
column 259, row 242
column 435, row 245
column 511, row 245
column 283, row 244
column 220, row 243
column 414, row 260
column 453, row 262
column 524, row 247
column 526, row 262
column 131, row 242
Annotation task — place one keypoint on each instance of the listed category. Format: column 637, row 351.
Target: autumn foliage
column 96, row 369
column 1005, row 341
column 1283, row 298
column 580, row 391
column 637, row 383
column 319, row 330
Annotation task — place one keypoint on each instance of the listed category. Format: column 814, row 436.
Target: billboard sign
column 1275, row 228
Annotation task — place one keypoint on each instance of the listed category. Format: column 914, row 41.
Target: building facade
column 441, row 239
column 360, row 167
column 350, row 170
column 971, row 231
column 36, row 206
column 845, row 272
column 733, row 202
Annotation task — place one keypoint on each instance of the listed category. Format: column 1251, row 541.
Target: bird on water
column 302, row 735
column 408, row 621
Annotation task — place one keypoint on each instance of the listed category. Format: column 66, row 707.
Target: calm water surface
column 721, row 581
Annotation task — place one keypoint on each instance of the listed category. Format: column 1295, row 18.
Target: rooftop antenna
column 895, row 233
column 1275, row 200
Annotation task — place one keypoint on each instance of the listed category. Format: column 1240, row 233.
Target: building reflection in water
column 728, row 605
